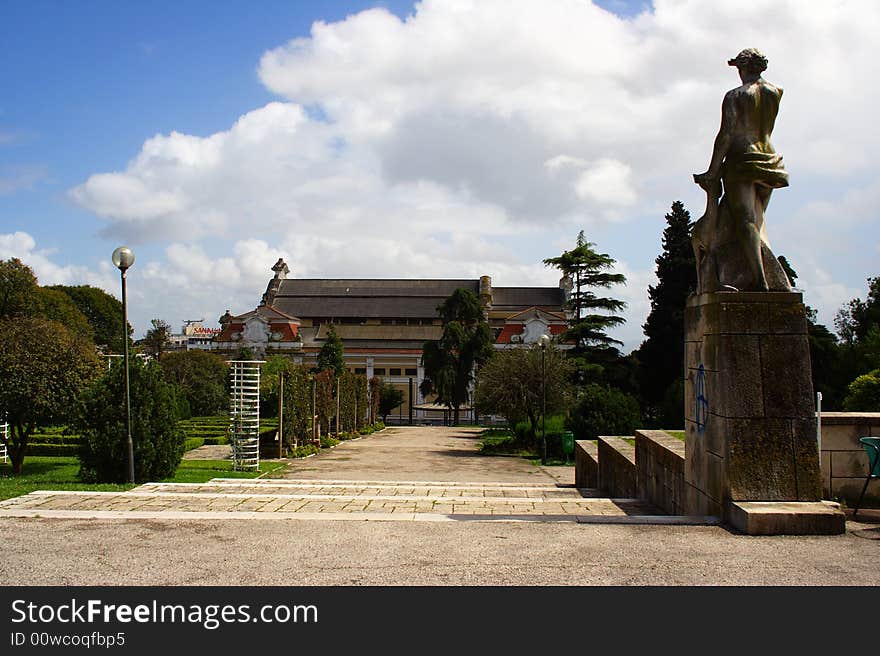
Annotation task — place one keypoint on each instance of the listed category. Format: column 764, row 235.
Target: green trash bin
column 568, row 443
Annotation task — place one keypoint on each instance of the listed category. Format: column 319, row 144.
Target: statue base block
column 749, row 409
column 787, row 518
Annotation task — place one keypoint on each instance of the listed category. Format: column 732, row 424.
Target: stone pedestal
column 749, row 409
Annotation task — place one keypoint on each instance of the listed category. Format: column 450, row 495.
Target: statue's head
column 751, row 60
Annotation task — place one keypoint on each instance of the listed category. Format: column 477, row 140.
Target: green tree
column 202, row 378
column 389, row 398
column 158, row 443
column 297, row 403
column 325, row 402
column 43, row 369
column 375, row 392
column 270, row 377
column 661, row 355
column 353, row 400
column 466, row 343
column 57, row 306
column 157, row 338
column 591, row 315
column 103, row 312
column 856, row 318
column 604, row 410
column 512, row 382
column 19, row 291
column 332, row 354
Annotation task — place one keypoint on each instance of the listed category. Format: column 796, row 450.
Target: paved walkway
column 421, row 453
column 412, row 473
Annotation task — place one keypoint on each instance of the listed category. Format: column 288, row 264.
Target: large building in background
column 383, row 323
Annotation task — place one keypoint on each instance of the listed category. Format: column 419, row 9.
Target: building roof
column 399, row 298
column 526, row 297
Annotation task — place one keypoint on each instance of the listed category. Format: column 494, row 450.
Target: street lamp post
column 543, row 340
column 123, row 258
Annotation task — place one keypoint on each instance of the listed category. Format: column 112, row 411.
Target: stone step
column 224, row 505
column 383, row 490
column 374, row 483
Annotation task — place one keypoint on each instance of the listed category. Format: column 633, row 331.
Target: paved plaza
column 403, row 507
column 399, row 463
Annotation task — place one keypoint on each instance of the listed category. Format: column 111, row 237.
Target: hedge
column 193, row 443
column 71, row 450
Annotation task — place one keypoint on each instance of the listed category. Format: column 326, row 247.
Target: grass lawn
column 48, row 473
column 504, row 443
column 59, row 473
column 679, row 435
column 201, row 471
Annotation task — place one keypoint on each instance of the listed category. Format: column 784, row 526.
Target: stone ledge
column 586, row 464
column 617, row 467
column 787, row 517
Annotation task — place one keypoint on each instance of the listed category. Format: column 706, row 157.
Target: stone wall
column 617, row 468
column 660, row 470
column 586, row 464
column 844, row 461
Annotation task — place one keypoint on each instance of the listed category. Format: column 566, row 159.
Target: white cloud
column 475, row 136
column 22, row 245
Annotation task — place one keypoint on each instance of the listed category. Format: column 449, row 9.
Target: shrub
column 304, row 450
column 863, row 394
column 603, row 410
column 327, row 442
column 157, row 440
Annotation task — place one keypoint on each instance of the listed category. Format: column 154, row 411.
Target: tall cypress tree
column 661, row 355
column 591, row 315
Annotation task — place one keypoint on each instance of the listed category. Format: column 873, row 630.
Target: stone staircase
column 229, row 498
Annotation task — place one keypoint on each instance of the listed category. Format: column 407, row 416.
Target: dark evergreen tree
column 332, row 354
column 661, row 355
column 466, row 343
column 591, row 315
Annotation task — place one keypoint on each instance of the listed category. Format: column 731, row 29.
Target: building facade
column 383, row 323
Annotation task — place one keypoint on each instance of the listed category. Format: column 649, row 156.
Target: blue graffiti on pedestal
column 702, row 402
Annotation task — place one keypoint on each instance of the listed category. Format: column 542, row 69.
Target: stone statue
column 730, row 239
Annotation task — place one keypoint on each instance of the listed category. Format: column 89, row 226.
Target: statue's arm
column 722, row 144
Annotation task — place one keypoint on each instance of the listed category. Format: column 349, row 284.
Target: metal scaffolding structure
column 244, row 414
column 4, row 431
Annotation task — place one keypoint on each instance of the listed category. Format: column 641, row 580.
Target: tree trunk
column 18, row 447
column 455, row 416
column 533, row 424
column 17, row 458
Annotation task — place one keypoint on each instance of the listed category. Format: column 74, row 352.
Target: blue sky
column 448, row 138
column 92, row 80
